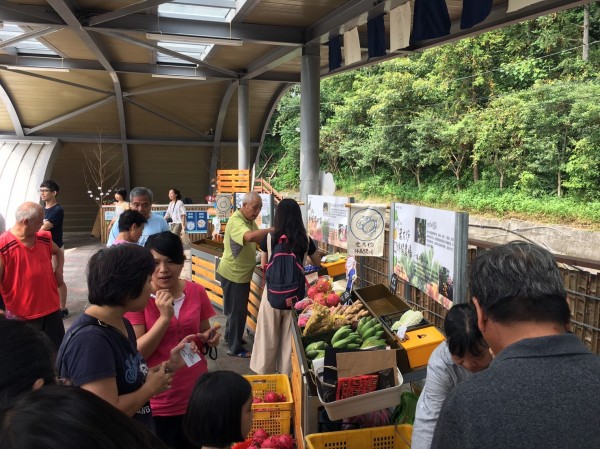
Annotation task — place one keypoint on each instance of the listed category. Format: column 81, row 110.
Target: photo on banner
column 328, row 219
column 366, row 236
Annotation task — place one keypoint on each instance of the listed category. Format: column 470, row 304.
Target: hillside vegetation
column 506, row 123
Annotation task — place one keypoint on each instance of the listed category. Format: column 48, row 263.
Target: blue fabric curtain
column 376, row 37
column 430, row 20
column 473, row 12
column 335, row 53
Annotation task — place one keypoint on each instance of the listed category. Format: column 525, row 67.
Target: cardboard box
column 420, row 344
column 380, row 301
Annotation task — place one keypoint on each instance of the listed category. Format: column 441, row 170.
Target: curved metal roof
column 101, row 68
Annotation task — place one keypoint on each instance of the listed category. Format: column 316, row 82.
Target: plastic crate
column 387, row 437
column 274, row 417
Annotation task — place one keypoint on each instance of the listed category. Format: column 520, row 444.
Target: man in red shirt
column 28, row 284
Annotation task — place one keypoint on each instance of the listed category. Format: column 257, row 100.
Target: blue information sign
column 197, row 221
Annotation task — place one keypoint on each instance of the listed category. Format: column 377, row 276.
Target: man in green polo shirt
column 236, row 268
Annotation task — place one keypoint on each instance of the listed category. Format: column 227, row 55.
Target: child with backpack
column 283, row 254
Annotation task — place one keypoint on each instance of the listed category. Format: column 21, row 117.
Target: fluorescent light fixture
column 36, row 69
column 179, row 77
column 194, row 39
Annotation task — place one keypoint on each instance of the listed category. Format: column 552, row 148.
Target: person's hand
column 164, row 302
column 176, row 361
column 158, row 379
column 210, row 337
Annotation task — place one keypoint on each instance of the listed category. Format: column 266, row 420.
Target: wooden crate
column 232, row 181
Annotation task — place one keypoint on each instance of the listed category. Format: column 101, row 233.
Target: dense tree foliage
column 487, row 123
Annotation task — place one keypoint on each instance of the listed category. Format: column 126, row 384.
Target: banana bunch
column 371, row 332
column 315, row 350
column 345, row 338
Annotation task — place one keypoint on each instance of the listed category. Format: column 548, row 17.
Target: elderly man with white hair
column 236, row 268
column 28, row 284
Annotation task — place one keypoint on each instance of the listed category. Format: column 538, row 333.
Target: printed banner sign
column 197, row 222
column 366, row 236
column 328, row 219
column 423, row 249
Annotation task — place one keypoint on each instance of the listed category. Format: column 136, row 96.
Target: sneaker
column 64, row 313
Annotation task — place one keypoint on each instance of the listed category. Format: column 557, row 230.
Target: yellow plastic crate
column 335, row 268
column 274, row 417
column 387, row 437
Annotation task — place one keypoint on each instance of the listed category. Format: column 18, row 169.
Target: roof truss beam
column 12, row 12
column 164, row 117
column 70, row 115
column 155, row 47
column 29, row 35
column 12, row 112
column 265, row 34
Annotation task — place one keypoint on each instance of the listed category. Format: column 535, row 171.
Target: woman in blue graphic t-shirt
column 99, row 352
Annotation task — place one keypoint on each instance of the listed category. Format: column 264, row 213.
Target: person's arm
column 157, row 381
column 112, row 235
column 315, row 257
column 257, row 235
column 452, row 425
column 438, row 384
column 208, row 335
column 183, row 215
column 60, row 263
column 47, row 225
column 148, row 340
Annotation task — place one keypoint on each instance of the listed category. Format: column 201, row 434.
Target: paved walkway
column 78, row 249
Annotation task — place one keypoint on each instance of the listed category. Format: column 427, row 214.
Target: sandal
column 241, row 354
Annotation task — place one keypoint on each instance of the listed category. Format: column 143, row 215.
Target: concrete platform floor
column 78, row 249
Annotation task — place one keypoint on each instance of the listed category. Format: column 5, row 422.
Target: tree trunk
column 501, row 179
column 559, row 183
column 475, row 171
column 586, row 32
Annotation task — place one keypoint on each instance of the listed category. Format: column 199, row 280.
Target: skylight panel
column 197, row 51
column 31, row 47
column 194, row 10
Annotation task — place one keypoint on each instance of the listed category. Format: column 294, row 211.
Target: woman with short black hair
column 71, row 418
column 220, row 410
column 27, row 356
column 99, row 352
column 463, row 353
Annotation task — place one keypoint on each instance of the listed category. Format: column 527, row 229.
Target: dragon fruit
column 312, row 291
column 259, row 436
column 332, row 300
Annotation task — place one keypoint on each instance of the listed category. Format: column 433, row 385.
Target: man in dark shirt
column 542, row 388
column 54, row 215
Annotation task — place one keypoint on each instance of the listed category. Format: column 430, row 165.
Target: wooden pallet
column 232, row 181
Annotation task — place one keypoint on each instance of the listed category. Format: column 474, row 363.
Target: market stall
column 411, row 358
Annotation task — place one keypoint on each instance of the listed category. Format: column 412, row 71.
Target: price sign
column 346, row 297
column 197, row 222
column 394, row 284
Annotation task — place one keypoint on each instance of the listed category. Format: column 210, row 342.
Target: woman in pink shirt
column 177, row 308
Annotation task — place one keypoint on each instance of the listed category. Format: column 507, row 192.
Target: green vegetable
column 409, row 318
column 341, row 333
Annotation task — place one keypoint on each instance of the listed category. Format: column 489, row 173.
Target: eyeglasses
column 45, row 190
